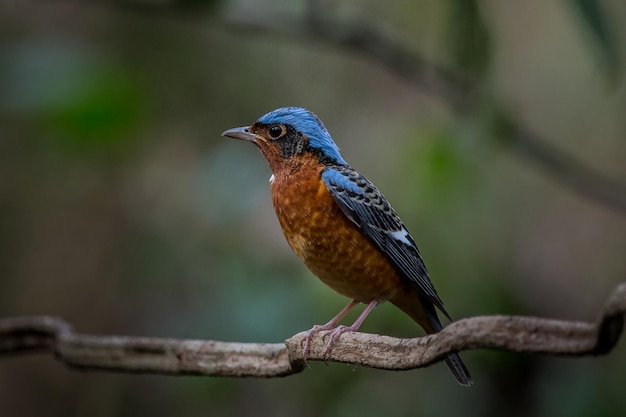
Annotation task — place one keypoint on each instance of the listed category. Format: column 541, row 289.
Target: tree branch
column 21, row 335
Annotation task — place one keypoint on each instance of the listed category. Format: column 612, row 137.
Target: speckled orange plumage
column 330, row 245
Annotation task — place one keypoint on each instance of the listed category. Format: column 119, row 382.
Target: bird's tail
column 453, row 360
column 459, row 370
column 425, row 315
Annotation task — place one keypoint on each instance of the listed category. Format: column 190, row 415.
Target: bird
column 342, row 227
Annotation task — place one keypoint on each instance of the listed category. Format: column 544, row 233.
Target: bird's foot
column 335, row 334
column 309, row 335
column 335, row 331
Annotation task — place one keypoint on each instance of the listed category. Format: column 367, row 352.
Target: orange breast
column 330, row 245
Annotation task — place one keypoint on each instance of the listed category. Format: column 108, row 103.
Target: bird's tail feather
column 453, row 360
column 459, row 370
column 425, row 315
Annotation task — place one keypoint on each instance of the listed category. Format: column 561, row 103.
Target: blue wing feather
column 366, row 207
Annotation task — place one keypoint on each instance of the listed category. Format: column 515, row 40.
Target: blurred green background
column 123, row 211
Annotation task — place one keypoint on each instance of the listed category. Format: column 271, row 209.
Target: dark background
column 123, row 211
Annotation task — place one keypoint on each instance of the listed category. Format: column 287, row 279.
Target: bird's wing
column 366, row 207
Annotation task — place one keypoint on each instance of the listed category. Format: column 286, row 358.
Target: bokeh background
column 123, row 211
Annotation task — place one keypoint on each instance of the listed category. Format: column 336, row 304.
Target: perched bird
column 341, row 226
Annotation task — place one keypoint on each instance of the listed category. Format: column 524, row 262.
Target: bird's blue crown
column 307, row 123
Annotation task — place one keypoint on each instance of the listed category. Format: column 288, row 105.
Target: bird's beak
column 241, row 133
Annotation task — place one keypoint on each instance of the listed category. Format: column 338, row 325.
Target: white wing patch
column 401, row 235
column 272, row 179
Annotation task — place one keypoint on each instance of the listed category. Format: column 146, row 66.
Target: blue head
column 307, row 123
column 291, row 130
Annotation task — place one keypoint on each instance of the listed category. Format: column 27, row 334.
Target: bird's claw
column 333, row 335
column 307, row 339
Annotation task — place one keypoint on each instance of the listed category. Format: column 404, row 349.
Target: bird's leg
column 334, row 335
column 328, row 326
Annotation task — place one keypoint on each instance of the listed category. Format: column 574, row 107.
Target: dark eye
column 275, row 131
